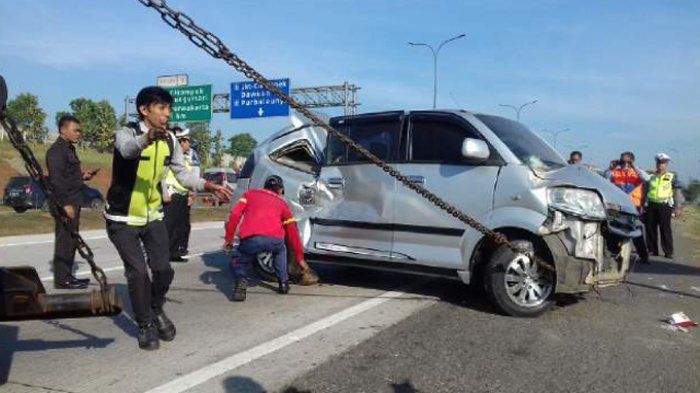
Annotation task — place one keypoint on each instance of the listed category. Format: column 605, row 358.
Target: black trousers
column 147, row 296
column 177, row 219
column 659, row 220
column 64, row 247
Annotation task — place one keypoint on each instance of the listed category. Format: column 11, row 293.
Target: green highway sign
column 191, row 103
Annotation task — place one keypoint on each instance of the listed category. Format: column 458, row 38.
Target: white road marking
column 110, row 269
column 48, row 241
column 697, row 289
column 232, row 362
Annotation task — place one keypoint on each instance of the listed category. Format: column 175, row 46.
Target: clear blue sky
column 623, row 75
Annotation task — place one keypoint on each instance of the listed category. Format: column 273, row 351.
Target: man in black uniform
column 66, row 181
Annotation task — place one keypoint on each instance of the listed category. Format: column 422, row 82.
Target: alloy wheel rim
column 525, row 283
column 266, row 262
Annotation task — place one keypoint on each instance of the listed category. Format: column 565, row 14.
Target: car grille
column 623, row 221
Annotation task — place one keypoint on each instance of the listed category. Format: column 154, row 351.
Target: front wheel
column 516, row 284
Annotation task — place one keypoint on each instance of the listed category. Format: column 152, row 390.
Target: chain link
column 36, row 172
column 211, row 44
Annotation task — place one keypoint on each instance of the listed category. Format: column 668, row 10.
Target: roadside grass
column 11, row 163
column 691, row 227
column 36, row 222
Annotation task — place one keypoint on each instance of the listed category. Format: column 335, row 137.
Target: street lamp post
column 517, row 109
column 435, row 59
column 555, row 134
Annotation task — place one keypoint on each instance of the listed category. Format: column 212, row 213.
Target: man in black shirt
column 66, row 182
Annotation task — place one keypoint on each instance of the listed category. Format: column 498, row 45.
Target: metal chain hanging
column 36, row 172
column 211, row 44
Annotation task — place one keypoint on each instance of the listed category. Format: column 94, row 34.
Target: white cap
column 183, row 134
column 662, row 157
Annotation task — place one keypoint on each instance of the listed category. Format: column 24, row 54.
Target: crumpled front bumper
column 588, row 252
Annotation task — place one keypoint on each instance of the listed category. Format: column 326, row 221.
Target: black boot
column 283, row 287
column 239, row 290
column 166, row 328
column 148, row 337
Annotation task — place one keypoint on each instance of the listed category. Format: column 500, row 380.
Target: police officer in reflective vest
column 142, row 153
column 178, row 200
column 663, row 198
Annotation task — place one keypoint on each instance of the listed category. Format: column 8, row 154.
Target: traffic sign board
column 251, row 100
column 191, row 103
column 172, row 80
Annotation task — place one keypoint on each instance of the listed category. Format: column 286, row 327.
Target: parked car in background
column 222, row 176
column 492, row 168
column 23, row 193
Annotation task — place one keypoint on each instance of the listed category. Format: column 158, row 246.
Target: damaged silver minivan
column 492, row 168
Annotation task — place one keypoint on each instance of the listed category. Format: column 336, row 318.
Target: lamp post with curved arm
column 517, row 109
column 435, row 59
column 555, row 134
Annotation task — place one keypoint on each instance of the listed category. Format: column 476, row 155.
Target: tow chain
column 211, row 44
column 36, row 172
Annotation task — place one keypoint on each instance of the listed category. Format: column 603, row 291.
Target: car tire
column 516, row 285
column 20, row 209
column 264, row 267
column 96, row 204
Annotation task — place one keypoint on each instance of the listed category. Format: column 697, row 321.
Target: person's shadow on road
column 222, row 275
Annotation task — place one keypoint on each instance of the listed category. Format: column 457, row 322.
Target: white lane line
column 213, row 370
column 111, row 269
column 48, row 241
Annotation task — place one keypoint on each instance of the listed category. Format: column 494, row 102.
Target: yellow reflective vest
column 661, row 188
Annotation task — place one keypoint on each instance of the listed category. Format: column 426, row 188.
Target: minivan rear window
column 379, row 136
column 19, row 181
column 248, row 167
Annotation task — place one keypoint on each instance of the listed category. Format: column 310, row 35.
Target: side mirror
column 3, row 94
column 475, row 149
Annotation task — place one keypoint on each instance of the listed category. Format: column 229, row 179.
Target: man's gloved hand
column 155, row 134
column 308, row 275
column 227, row 246
column 221, row 192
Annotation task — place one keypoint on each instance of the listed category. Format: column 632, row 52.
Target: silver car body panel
column 357, row 210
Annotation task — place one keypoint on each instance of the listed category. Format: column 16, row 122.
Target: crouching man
column 267, row 220
column 134, row 212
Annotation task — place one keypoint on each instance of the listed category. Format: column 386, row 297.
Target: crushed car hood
column 579, row 176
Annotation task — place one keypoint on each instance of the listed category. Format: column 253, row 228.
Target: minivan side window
column 297, row 156
column 438, row 139
column 380, row 137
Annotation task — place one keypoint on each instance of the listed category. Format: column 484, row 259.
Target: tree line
column 99, row 122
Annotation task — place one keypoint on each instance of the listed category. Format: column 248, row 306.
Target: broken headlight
column 576, row 201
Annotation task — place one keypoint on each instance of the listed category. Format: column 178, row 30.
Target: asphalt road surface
column 360, row 331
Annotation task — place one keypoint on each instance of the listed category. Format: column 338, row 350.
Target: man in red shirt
column 268, row 220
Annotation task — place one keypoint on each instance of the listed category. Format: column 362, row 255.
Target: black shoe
column 166, row 328
column 669, row 256
column 83, row 280
column 148, row 337
column 283, row 287
column 644, row 260
column 239, row 291
column 178, row 259
column 70, row 283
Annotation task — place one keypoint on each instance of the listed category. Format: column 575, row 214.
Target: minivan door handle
column 336, row 182
column 416, row 179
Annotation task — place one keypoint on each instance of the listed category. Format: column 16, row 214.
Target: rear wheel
column 264, row 266
column 96, row 204
column 516, row 284
column 20, row 209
